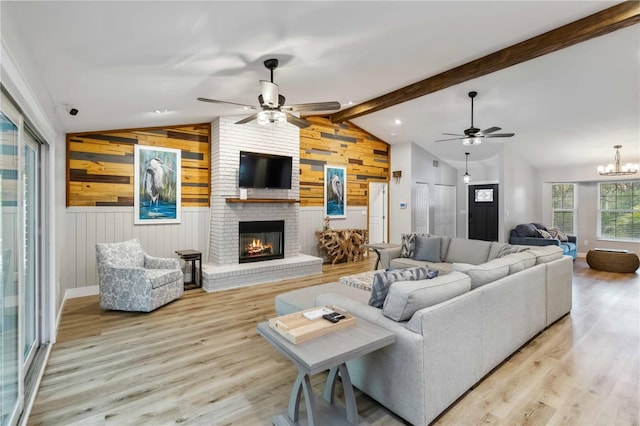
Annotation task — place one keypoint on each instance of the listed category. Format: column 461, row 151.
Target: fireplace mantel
column 262, row 200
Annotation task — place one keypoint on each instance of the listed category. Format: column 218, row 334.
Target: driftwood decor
column 348, row 245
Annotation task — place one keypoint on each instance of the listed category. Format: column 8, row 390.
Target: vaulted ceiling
column 117, row 62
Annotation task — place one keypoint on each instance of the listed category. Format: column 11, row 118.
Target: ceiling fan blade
column 214, row 101
column 316, row 106
column 269, row 93
column 500, row 135
column 297, row 121
column 248, row 119
column 453, row 134
column 452, row 139
column 490, row 130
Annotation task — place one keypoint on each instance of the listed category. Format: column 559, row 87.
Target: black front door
column 483, row 212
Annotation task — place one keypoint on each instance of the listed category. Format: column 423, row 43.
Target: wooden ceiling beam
column 608, row 20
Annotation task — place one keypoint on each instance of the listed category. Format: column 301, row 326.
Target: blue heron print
column 335, row 191
column 158, row 183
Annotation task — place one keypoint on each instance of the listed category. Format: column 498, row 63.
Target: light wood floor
column 199, row 361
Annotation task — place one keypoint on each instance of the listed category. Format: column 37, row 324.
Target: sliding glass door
column 10, row 365
column 30, row 214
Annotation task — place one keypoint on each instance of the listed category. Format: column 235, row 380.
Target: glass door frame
column 30, row 143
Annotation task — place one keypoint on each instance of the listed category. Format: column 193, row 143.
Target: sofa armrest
column 573, row 239
column 533, row 241
column 151, row 262
column 386, row 255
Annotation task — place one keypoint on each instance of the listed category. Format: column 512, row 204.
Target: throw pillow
column 526, row 230
column 406, row 297
column 558, row 234
column 427, row 249
column 543, row 233
column 508, row 249
column 383, row 280
column 408, row 242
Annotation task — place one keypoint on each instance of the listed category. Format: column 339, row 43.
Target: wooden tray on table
column 297, row 329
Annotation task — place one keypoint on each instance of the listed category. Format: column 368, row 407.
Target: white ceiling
column 117, row 62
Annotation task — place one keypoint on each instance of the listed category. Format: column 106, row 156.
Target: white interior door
column 421, row 205
column 444, row 210
column 378, row 207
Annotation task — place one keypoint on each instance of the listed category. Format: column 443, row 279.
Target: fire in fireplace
column 261, row 240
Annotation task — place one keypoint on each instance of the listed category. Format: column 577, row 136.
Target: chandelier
column 616, row 169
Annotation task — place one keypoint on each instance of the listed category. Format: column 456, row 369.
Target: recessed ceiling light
column 398, row 121
column 350, row 103
column 161, row 111
column 393, row 134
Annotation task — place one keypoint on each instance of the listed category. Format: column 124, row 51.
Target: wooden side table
column 329, row 352
column 192, row 256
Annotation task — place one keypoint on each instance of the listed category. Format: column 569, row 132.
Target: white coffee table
column 330, row 352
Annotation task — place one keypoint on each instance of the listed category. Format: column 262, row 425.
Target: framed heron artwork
column 157, row 185
column 335, row 192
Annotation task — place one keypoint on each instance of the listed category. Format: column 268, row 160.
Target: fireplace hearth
column 261, row 240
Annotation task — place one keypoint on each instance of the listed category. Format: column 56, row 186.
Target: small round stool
column 613, row 261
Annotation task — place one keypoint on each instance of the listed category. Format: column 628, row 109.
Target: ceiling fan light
column 471, row 141
column 271, row 116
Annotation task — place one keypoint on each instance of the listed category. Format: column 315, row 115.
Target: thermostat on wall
column 403, row 205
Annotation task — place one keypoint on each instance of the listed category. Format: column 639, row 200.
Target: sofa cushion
column 407, row 243
column 526, row 230
column 401, row 262
column 161, row 277
column 519, row 261
column 406, row 297
column 546, row 254
column 468, row 251
column 383, row 280
column 484, row 273
column 427, row 248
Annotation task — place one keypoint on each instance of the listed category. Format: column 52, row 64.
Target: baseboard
column 72, row 293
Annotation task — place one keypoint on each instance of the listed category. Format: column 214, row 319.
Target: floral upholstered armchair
column 131, row 280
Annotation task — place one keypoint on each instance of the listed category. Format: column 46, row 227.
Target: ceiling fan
column 272, row 103
column 473, row 135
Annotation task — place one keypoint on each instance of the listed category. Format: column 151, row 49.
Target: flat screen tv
column 264, row 171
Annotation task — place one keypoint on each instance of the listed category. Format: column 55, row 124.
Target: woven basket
column 611, row 261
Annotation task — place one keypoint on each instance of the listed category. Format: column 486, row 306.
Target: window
column 619, row 210
column 563, row 204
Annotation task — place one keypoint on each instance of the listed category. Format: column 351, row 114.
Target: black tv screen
column 264, row 171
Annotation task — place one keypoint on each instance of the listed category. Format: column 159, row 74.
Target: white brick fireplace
column 223, row 269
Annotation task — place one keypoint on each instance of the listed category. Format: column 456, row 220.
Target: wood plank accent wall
column 100, row 165
column 365, row 157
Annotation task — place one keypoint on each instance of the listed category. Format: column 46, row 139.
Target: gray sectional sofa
column 452, row 329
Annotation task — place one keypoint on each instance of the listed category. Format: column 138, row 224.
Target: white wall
column 400, row 219
column 86, row 226
column 312, row 220
column 417, row 165
column 519, row 193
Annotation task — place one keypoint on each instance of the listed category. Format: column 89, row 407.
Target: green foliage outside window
column 620, row 210
column 563, row 204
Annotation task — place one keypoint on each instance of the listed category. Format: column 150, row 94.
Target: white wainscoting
column 312, row 220
column 86, row 226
